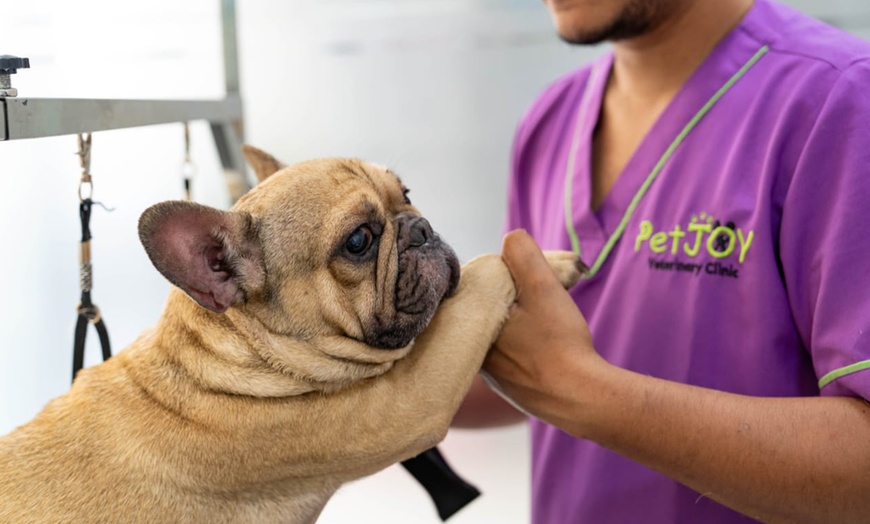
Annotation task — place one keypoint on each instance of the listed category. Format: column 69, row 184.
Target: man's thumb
column 526, row 261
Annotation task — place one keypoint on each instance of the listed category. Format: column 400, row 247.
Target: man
column 713, row 170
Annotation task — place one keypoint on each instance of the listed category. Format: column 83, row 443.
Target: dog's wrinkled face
column 324, row 250
column 346, row 252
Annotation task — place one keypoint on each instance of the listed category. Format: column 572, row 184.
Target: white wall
column 432, row 88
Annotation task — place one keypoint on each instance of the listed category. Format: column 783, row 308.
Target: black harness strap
column 88, row 312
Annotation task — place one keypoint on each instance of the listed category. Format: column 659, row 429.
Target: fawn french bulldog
column 318, row 332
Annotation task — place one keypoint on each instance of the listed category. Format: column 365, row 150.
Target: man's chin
column 586, row 26
column 578, row 38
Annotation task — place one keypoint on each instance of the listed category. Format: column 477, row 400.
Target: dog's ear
column 212, row 255
column 262, row 162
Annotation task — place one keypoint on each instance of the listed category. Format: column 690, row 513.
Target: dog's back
column 102, row 453
column 66, row 458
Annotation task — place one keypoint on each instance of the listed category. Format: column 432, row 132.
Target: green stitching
column 611, row 242
column 837, row 373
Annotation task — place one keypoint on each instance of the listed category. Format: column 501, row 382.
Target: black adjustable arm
column 448, row 491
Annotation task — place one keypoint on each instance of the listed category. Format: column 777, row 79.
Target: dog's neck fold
column 274, row 364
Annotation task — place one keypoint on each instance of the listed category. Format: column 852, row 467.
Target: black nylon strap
column 85, row 216
column 88, row 313
column 81, row 336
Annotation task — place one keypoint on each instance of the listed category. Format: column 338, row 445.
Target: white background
column 431, row 88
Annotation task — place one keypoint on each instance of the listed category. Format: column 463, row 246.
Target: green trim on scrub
column 608, row 247
column 843, row 371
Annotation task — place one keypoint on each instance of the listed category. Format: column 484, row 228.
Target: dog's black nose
column 421, row 231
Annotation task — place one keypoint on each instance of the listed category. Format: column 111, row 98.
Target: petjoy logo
column 705, row 247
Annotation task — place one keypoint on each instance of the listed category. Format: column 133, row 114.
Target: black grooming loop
column 88, row 312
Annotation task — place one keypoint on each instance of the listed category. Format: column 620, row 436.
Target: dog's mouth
column 453, row 279
column 428, row 273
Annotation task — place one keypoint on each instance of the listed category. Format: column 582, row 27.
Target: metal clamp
column 9, row 65
column 86, row 181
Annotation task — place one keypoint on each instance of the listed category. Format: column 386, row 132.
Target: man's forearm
column 774, row 459
column 483, row 408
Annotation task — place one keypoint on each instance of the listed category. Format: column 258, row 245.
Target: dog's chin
column 453, row 282
column 426, row 278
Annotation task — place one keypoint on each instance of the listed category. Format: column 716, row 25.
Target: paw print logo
column 704, row 217
column 723, row 240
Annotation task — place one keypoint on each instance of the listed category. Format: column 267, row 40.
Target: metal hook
column 102, row 205
column 187, row 142
column 84, row 154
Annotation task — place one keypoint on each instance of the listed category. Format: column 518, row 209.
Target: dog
column 316, row 333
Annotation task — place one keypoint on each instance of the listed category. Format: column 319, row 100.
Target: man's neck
column 648, row 71
column 654, row 66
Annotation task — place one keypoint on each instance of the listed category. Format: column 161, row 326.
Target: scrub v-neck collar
column 729, row 60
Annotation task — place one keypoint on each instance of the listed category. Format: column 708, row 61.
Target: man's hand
column 546, row 341
column 775, row 459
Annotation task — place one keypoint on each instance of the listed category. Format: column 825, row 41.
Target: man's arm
column 774, row 459
column 483, row 408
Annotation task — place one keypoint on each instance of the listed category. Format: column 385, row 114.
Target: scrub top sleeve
column 825, row 238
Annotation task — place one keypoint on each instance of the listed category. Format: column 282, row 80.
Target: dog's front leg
column 409, row 409
column 448, row 354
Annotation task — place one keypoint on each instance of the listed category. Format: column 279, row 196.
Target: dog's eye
column 405, row 192
column 359, row 241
